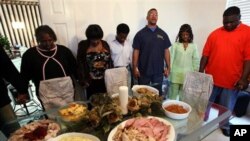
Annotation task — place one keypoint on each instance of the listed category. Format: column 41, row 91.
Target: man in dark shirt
column 150, row 50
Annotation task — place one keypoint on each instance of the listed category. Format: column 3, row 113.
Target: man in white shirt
column 121, row 49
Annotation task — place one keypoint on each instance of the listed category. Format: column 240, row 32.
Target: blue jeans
column 156, row 79
column 224, row 97
column 241, row 104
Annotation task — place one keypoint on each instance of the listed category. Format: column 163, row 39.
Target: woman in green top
column 184, row 58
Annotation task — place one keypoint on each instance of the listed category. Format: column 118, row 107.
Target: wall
column 203, row 15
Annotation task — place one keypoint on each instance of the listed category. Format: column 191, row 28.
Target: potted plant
column 6, row 45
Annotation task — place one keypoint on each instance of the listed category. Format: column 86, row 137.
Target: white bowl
column 151, row 89
column 176, row 115
column 75, row 134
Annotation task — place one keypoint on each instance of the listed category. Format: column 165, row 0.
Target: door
column 59, row 15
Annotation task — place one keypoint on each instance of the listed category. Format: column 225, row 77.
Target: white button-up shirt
column 121, row 54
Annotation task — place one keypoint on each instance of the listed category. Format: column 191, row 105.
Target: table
column 197, row 129
column 194, row 128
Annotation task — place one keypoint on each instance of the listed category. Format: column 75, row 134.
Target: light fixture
column 17, row 25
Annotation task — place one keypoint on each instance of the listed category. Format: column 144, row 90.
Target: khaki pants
column 8, row 122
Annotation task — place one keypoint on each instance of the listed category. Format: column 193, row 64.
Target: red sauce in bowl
column 175, row 108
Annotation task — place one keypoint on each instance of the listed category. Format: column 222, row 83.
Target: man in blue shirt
column 150, row 50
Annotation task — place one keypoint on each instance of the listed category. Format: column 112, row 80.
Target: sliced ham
column 146, row 131
column 151, row 128
column 129, row 123
column 142, row 122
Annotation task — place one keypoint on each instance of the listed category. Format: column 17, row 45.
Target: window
column 18, row 21
column 244, row 6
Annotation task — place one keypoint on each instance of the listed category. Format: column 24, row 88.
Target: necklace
column 185, row 45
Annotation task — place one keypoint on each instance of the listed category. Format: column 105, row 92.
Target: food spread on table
column 104, row 114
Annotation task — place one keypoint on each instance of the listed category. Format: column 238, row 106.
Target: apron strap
column 50, row 57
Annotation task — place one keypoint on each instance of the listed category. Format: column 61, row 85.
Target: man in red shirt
column 226, row 56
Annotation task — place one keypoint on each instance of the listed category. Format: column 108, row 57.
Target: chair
column 114, row 78
column 16, row 52
column 27, row 108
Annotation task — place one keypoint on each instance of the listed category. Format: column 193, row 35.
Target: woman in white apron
column 50, row 66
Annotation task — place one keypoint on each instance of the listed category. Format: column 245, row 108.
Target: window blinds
column 26, row 14
column 244, row 6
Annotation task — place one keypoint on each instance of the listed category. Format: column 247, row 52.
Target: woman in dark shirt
column 93, row 57
column 49, row 61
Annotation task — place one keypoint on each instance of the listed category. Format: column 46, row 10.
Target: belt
column 128, row 66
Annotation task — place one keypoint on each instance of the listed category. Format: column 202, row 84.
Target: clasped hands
column 241, row 84
column 136, row 72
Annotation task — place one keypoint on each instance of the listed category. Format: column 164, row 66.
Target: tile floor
column 217, row 134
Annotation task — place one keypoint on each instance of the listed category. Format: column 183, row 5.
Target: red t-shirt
column 226, row 52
